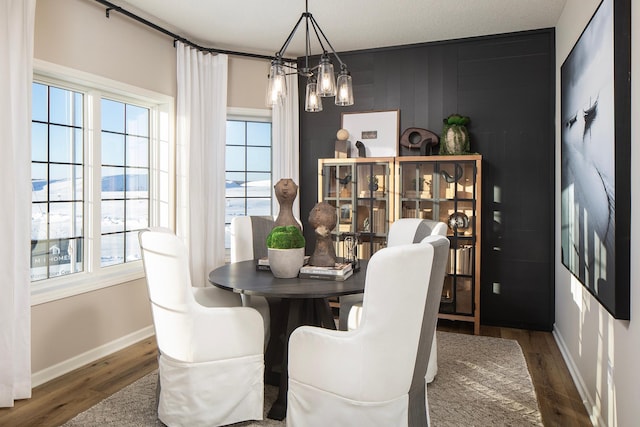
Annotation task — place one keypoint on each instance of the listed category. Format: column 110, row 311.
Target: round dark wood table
column 293, row 303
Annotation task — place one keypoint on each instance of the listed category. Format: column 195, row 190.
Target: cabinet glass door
column 372, row 207
column 446, row 191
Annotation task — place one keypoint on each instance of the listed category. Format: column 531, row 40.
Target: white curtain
column 16, row 74
column 286, row 142
column 201, row 131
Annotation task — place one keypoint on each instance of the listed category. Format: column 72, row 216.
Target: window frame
column 161, row 176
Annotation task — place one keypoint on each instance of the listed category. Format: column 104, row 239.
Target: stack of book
column 339, row 272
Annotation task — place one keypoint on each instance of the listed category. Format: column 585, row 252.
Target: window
column 125, row 180
column 57, row 199
column 101, row 172
column 248, row 168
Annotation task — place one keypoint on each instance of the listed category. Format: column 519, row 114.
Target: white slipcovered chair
column 403, row 231
column 373, row 375
column 211, row 361
column 248, row 242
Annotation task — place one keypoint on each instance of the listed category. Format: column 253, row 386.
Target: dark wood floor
column 61, row 399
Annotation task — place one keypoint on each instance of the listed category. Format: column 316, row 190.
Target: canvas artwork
column 590, row 142
column 374, row 132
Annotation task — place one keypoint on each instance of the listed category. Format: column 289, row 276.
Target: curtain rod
column 110, row 6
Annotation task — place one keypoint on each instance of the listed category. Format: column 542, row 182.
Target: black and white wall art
column 595, row 168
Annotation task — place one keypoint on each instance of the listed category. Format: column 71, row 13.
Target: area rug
column 481, row 381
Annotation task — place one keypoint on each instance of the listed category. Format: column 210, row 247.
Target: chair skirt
column 211, row 393
column 308, row 406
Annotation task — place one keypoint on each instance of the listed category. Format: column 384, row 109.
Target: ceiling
column 261, row 26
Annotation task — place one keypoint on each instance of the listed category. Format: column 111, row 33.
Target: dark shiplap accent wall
column 506, row 84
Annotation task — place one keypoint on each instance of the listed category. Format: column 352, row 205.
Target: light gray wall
column 76, row 34
column 602, row 352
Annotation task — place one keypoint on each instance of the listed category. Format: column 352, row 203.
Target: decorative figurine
column 458, row 222
column 323, row 219
column 286, row 191
column 418, row 142
column 342, row 146
column 362, row 152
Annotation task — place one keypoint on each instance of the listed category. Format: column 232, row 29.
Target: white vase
column 285, row 263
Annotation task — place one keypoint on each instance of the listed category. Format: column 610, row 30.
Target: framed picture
column 375, row 132
column 596, row 151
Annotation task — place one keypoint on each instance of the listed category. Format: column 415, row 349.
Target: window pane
column 259, row 133
column 39, row 221
column 227, row 235
column 112, row 115
column 112, row 249
column 234, row 207
column 137, row 214
column 235, row 185
column 39, row 260
column 65, row 107
column 137, row 151
column 259, row 185
column 65, row 219
column 132, row 248
column 259, row 206
column 235, row 158
column 66, row 182
column 137, row 120
column 39, row 145
column 39, row 182
column 65, row 144
column 40, row 102
column 112, row 183
column 137, row 183
column 259, row 159
column 65, row 257
column 112, row 149
column 112, row 216
column 235, row 177
column 235, row 133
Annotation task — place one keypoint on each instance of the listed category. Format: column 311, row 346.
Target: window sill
column 76, row 284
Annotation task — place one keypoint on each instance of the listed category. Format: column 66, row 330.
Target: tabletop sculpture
column 323, row 219
column 286, row 191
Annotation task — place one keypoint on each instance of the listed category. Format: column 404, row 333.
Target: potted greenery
column 455, row 137
column 285, row 247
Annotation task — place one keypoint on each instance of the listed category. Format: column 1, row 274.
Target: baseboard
column 587, row 401
column 92, row 355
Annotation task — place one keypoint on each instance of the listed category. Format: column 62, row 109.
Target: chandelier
column 321, row 80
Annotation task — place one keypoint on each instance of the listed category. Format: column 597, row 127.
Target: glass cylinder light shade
column 277, row 85
column 344, row 92
column 326, row 78
column 313, row 102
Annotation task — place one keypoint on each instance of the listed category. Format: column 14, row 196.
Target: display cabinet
column 447, row 189
column 360, row 189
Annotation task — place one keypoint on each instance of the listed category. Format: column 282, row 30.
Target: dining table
column 292, row 302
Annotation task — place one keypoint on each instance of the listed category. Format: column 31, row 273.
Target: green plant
column 285, row 237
